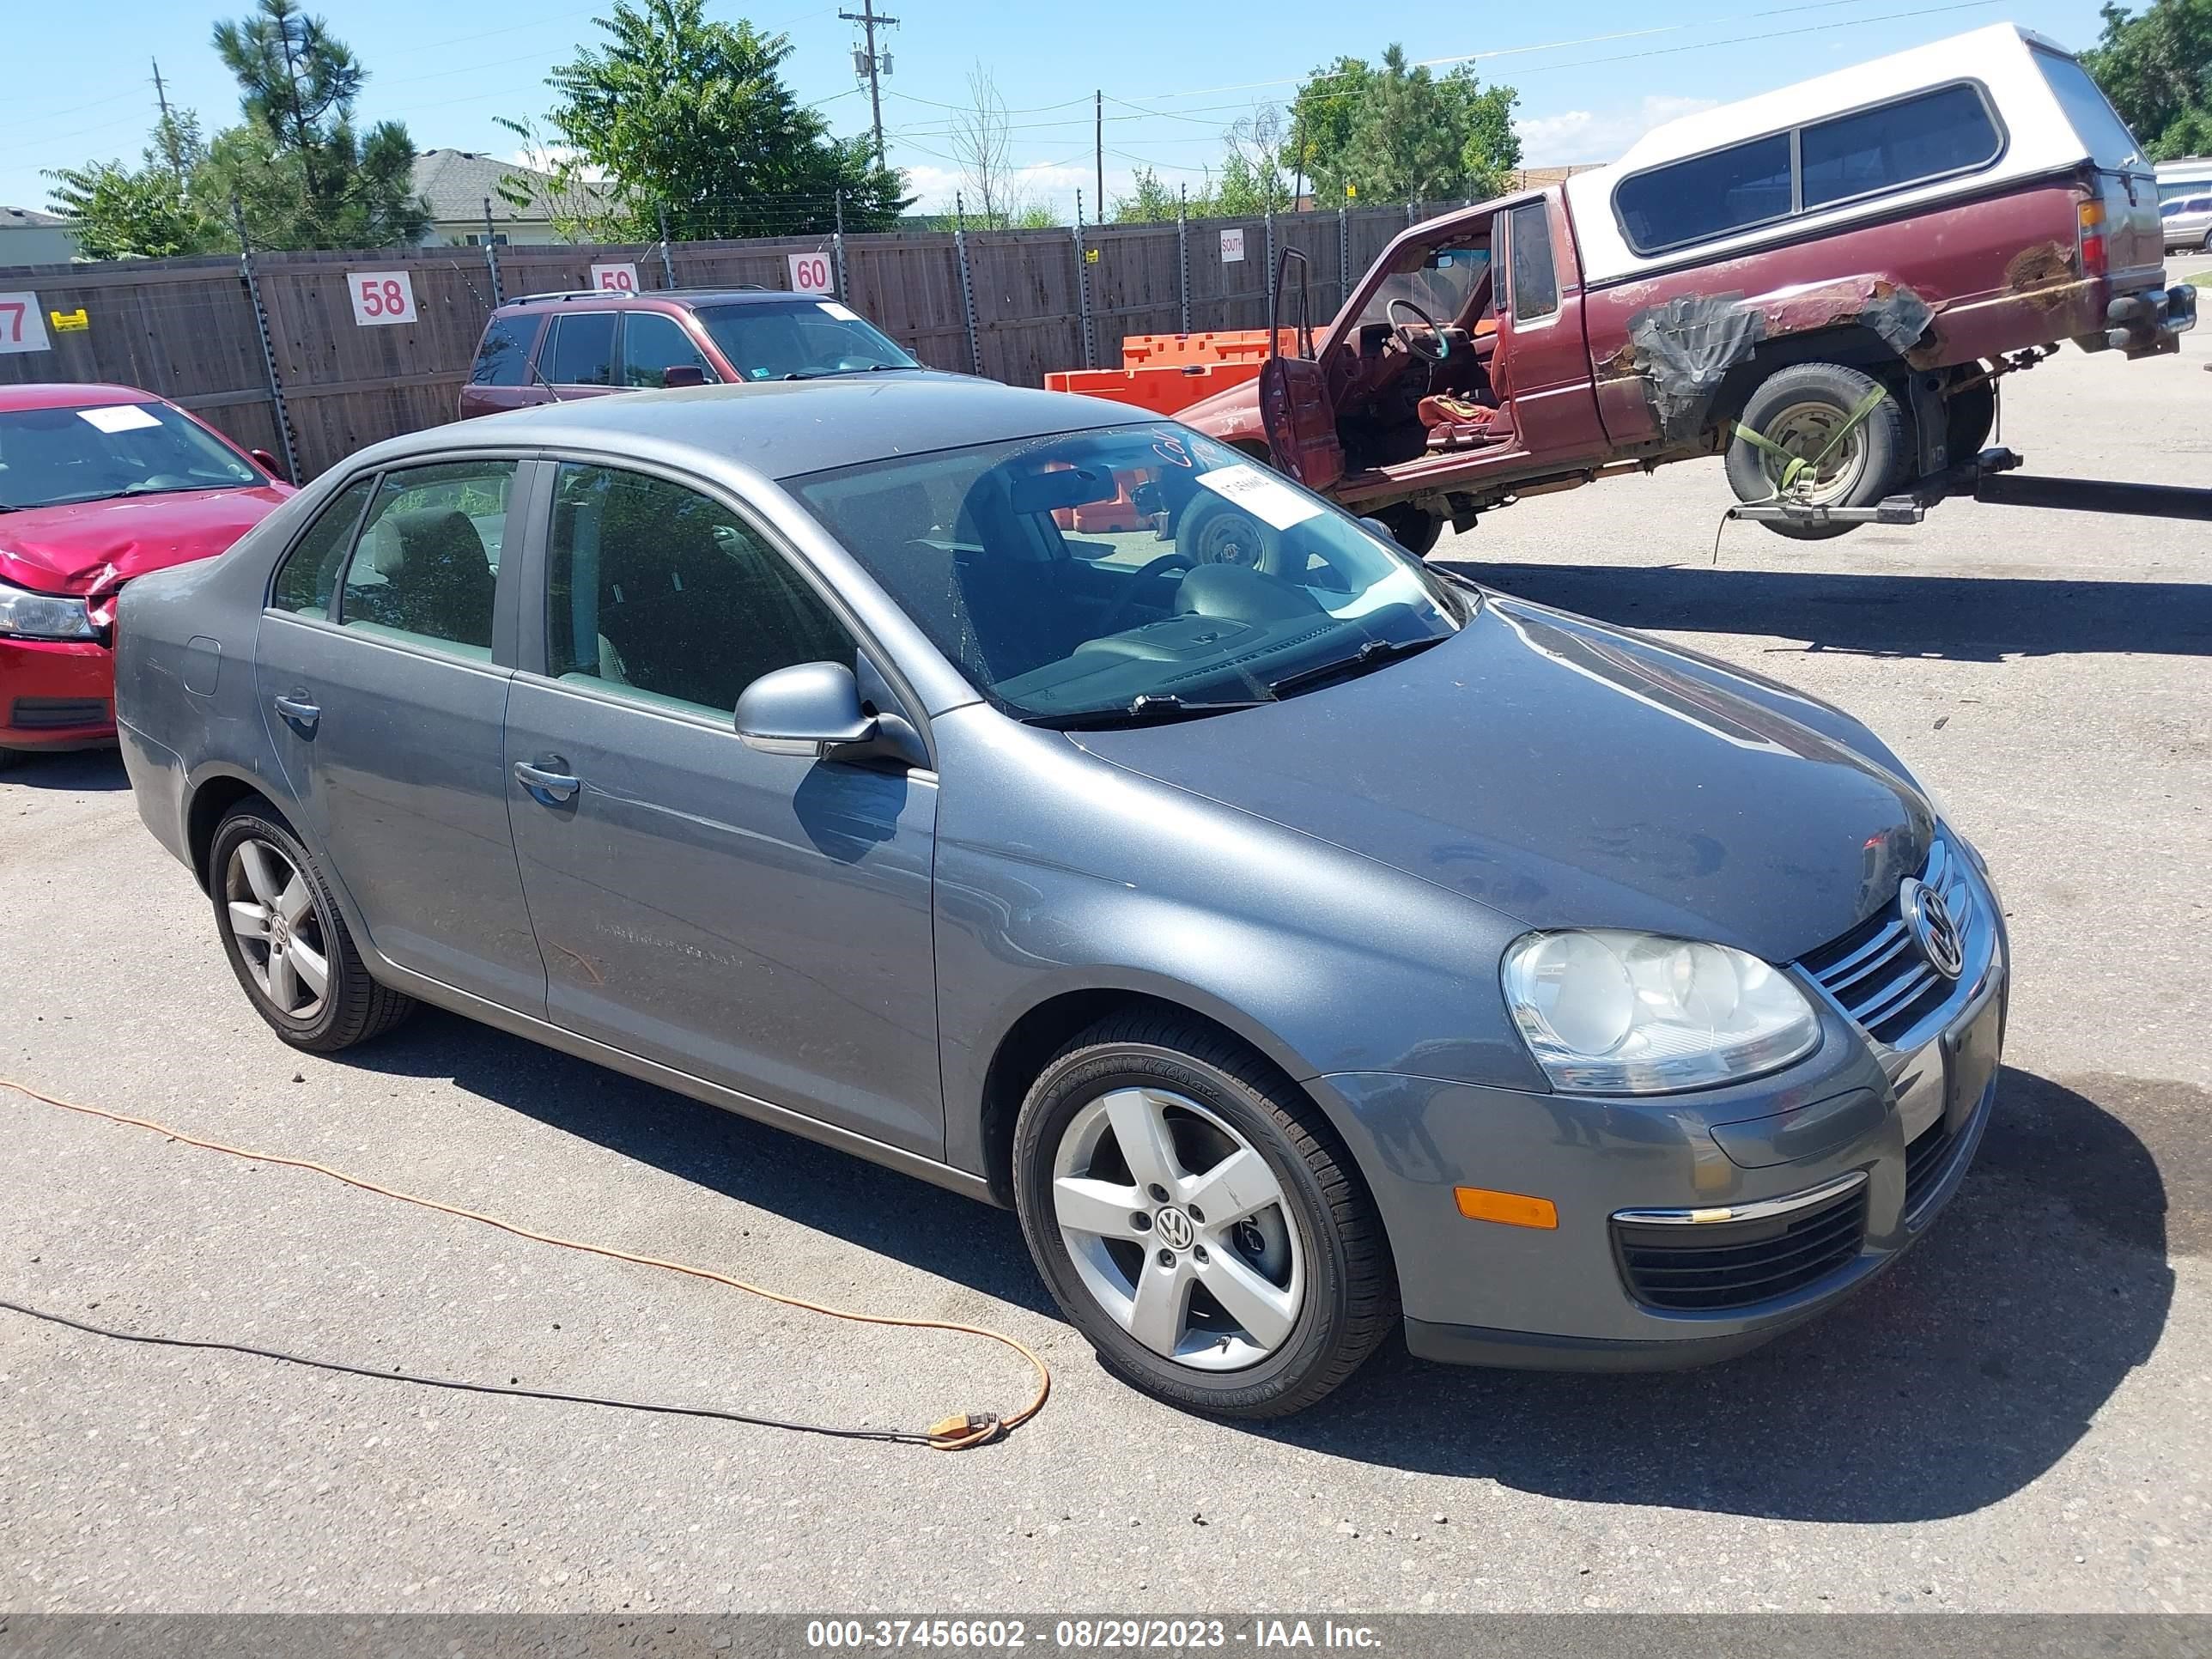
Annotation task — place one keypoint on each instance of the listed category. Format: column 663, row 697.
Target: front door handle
column 298, row 710
column 548, row 779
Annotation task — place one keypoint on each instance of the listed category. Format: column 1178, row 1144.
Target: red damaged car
column 99, row 484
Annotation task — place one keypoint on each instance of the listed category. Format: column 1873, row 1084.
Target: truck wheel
column 1969, row 418
column 1804, row 408
column 1411, row 528
column 1196, row 1222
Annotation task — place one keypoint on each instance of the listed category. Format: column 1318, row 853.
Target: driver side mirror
column 682, row 374
column 267, row 462
column 813, row 708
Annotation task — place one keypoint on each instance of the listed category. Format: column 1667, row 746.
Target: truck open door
column 1296, row 409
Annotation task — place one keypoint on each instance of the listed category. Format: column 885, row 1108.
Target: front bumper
column 1860, row 1145
column 56, row 694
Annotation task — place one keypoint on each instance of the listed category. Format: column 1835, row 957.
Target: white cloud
column 1581, row 135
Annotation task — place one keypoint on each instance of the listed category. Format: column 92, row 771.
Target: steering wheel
column 1155, row 568
column 1438, row 347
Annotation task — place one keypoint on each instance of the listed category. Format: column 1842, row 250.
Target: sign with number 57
column 22, row 328
column 380, row 297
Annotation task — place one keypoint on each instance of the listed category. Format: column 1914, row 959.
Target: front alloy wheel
column 1196, row 1218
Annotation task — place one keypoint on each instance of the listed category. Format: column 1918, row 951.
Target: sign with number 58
column 22, row 327
column 380, row 297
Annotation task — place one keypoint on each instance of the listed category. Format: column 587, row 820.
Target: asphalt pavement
column 2019, row 1417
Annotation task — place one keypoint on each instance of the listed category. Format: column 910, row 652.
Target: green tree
column 692, row 118
column 307, row 177
column 146, row 212
column 1148, row 202
column 2156, row 67
column 1396, row 133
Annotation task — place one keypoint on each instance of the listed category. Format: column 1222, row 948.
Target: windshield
column 51, row 456
column 1441, row 283
column 800, row 340
column 1129, row 574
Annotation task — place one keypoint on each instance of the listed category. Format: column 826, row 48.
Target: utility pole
column 871, row 63
column 1098, row 146
column 168, row 127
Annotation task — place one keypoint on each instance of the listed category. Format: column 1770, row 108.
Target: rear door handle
column 301, row 713
column 546, row 781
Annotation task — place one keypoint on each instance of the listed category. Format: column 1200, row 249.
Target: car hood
column 91, row 547
column 1565, row 774
column 1232, row 412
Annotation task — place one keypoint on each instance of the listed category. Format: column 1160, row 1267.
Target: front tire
column 1413, row 528
column 12, row 758
column 1195, row 1220
column 286, row 941
column 1805, row 408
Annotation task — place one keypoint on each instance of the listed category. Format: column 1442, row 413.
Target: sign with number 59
column 22, row 327
column 811, row 273
column 615, row 279
column 381, row 297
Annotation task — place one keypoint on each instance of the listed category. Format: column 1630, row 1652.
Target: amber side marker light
column 1513, row 1209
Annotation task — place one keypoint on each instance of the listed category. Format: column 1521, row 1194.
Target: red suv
column 548, row 347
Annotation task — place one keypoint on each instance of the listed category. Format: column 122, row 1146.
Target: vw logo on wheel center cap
column 1175, row 1230
column 1933, row 927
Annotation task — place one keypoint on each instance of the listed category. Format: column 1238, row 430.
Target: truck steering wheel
column 1438, row 346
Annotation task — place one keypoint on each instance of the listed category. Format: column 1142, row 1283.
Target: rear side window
column 1707, row 196
column 653, row 343
column 426, row 563
column 503, row 359
column 1930, row 137
column 2091, row 114
column 1535, row 278
column 310, row 573
column 582, row 351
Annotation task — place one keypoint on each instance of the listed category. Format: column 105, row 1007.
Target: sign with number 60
column 381, row 297
column 810, row 274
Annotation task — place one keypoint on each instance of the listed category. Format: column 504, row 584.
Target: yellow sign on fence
column 69, row 322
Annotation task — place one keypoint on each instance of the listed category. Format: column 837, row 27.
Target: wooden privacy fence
column 296, row 353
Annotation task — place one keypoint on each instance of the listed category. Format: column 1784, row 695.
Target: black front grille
column 1925, row 1160
column 51, row 714
column 1710, row 1266
column 1877, row 973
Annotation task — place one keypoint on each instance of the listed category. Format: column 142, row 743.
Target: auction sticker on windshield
column 1268, row 500
column 118, row 417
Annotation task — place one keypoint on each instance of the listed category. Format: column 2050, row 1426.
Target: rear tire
column 1411, row 528
column 1969, row 417
column 12, row 758
column 287, row 943
column 1802, row 408
column 1127, row 1137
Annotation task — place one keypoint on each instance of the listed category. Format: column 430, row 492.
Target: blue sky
column 1591, row 76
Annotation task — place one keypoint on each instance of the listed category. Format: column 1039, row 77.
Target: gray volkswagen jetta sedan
column 1065, row 810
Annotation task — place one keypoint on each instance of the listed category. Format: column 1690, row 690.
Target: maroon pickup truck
column 1822, row 282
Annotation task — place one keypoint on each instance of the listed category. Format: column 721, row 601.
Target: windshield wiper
column 1144, row 709
column 1372, row 654
column 832, row 373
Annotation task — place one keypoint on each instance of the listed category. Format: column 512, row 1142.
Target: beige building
column 456, row 184
column 29, row 237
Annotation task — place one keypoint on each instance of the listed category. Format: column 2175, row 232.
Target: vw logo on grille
column 1932, row 926
column 1176, row 1231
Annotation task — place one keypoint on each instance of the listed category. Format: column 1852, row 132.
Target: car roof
column 66, row 394
column 779, row 429
column 588, row 298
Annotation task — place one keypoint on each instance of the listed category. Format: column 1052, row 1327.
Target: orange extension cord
column 954, row 1433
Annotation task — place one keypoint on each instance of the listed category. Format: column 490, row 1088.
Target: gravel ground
column 2017, row 1418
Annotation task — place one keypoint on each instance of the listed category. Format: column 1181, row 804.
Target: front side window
column 800, row 340
column 657, row 593
column 1447, row 283
column 310, row 574
column 1535, row 279
column 503, row 359
column 1938, row 133
column 426, row 565
column 1707, row 196
column 583, row 349
column 49, row 457
column 653, row 343
column 1129, row 574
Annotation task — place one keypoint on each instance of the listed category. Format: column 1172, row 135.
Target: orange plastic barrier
column 1163, row 389
column 1248, row 345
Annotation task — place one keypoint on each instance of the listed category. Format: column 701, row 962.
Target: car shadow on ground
column 1961, row 618
column 76, row 771
column 1949, row 1383
column 926, row 1227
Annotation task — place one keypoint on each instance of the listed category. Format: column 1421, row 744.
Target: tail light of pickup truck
column 2094, row 260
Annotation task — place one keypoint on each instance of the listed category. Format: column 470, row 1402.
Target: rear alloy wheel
column 1806, row 410
column 286, row 941
column 1216, row 1252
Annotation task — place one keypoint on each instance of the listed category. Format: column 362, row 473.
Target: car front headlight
column 1608, row 1012
column 28, row 616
